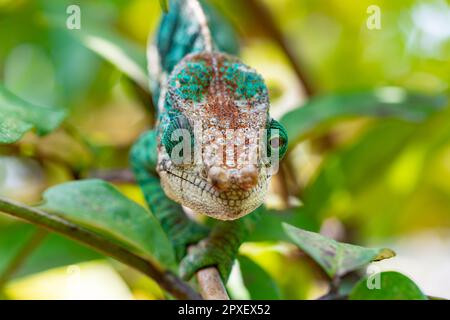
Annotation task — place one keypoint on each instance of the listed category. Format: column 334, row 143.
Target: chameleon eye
column 277, row 139
column 178, row 139
column 276, row 142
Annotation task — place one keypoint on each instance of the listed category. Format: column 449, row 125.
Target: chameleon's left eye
column 178, row 140
column 277, row 139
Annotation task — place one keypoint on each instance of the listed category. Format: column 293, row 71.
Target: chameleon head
column 217, row 142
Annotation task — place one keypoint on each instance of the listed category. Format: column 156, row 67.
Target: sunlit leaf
column 18, row 116
column 389, row 286
column 124, row 54
column 270, row 223
column 258, row 282
column 30, row 74
column 384, row 102
column 334, row 257
column 12, row 239
column 54, row 250
column 101, row 208
column 84, row 281
column 356, row 183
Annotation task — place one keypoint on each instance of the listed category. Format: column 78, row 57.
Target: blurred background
column 374, row 182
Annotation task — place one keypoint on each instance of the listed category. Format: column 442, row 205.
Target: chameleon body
column 204, row 152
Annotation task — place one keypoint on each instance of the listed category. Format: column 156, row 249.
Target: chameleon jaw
column 198, row 194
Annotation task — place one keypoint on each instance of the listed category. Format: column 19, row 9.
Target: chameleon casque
column 201, row 88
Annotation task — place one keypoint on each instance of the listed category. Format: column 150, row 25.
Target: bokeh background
column 364, row 180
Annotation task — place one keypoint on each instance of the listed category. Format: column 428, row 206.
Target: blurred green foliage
column 336, row 259
column 392, row 286
column 371, row 151
column 97, row 205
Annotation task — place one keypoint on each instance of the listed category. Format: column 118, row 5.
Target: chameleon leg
column 181, row 230
column 220, row 248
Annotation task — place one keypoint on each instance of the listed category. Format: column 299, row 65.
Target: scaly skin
column 218, row 94
column 222, row 105
column 181, row 230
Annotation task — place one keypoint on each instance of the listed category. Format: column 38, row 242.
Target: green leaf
column 391, row 286
column 335, row 258
column 18, row 116
column 120, row 52
column 384, row 102
column 29, row 73
column 54, row 251
column 258, row 282
column 270, row 223
column 101, row 208
column 12, row 238
column 124, row 54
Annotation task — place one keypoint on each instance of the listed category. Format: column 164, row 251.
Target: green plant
column 97, row 214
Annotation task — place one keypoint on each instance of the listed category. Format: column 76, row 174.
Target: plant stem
column 261, row 13
column 210, row 283
column 113, row 175
column 166, row 279
column 28, row 248
column 333, row 296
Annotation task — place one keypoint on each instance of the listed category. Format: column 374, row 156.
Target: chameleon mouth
column 202, row 197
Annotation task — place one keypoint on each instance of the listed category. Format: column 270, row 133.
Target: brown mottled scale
column 226, row 105
column 228, row 101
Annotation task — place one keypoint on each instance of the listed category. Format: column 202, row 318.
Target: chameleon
column 221, row 108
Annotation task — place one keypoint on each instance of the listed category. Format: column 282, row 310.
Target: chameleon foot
column 189, row 234
column 206, row 254
column 218, row 250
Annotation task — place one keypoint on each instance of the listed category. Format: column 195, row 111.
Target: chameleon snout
column 220, row 178
column 245, row 178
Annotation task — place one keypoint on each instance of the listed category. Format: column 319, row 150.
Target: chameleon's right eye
column 277, row 139
column 178, row 140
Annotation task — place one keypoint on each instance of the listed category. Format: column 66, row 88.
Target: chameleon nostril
column 248, row 178
column 219, row 178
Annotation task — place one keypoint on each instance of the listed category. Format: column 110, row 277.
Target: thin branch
column 262, row 14
column 333, row 296
column 166, row 279
column 209, row 281
column 20, row 258
column 211, row 285
column 113, row 175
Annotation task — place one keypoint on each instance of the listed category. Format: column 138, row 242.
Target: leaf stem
column 166, row 279
column 113, row 175
column 262, row 14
